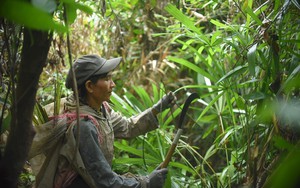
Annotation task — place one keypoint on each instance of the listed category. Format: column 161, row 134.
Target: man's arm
column 95, row 162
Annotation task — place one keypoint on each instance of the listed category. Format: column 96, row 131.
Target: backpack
column 50, row 135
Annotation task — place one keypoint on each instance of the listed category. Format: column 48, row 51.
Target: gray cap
column 90, row 65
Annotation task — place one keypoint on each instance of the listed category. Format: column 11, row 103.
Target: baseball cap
column 90, row 65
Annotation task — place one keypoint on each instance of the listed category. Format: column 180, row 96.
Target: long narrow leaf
column 133, row 151
column 291, row 76
column 143, row 95
column 121, row 105
column 219, row 24
column 251, row 55
column 237, row 70
column 253, row 16
column 182, row 18
column 192, row 67
column 210, row 105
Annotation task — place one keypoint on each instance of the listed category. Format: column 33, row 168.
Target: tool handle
column 165, row 163
column 168, row 157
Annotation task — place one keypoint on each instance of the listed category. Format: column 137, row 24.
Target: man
column 90, row 164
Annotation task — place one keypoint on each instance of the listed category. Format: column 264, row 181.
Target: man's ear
column 89, row 86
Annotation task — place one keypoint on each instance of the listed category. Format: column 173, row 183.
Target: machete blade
column 186, row 105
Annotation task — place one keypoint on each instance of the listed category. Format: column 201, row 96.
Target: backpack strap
column 72, row 117
column 105, row 108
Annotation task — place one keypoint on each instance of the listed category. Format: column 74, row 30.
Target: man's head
column 89, row 66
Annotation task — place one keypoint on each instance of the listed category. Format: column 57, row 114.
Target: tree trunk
column 34, row 54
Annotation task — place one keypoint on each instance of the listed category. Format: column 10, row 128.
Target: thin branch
column 74, row 81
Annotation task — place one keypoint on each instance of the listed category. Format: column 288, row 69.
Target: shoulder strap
column 105, row 108
column 71, row 116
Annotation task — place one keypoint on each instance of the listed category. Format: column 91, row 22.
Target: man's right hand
column 167, row 101
column 157, row 178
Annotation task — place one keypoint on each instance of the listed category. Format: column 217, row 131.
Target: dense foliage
column 241, row 57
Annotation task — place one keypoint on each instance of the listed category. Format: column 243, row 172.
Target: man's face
column 102, row 89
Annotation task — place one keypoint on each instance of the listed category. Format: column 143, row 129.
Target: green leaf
column 137, row 161
column 79, row 6
column 219, row 24
column 209, row 130
column 210, row 152
column 133, row 151
column 226, row 135
column 143, row 95
column 240, row 102
column 291, row 77
column 182, row 18
column 134, row 102
column 255, row 96
column 71, row 9
column 248, row 82
column 253, row 16
column 237, row 70
column 174, row 115
column 252, row 59
column 45, row 5
column 208, row 118
column 155, row 92
column 282, row 176
column 25, row 14
column 182, row 166
column 121, row 105
column 283, row 144
column 190, row 47
column 196, row 87
column 210, row 105
column 71, row 13
column 192, row 66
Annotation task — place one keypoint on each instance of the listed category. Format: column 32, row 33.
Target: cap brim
column 109, row 65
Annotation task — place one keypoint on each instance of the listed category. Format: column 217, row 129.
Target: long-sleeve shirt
column 95, row 155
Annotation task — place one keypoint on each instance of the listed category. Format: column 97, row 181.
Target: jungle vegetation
column 241, row 57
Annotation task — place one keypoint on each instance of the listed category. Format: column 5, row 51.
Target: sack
column 49, row 135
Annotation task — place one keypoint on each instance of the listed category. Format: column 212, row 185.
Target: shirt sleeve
column 134, row 126
column 95, row 162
